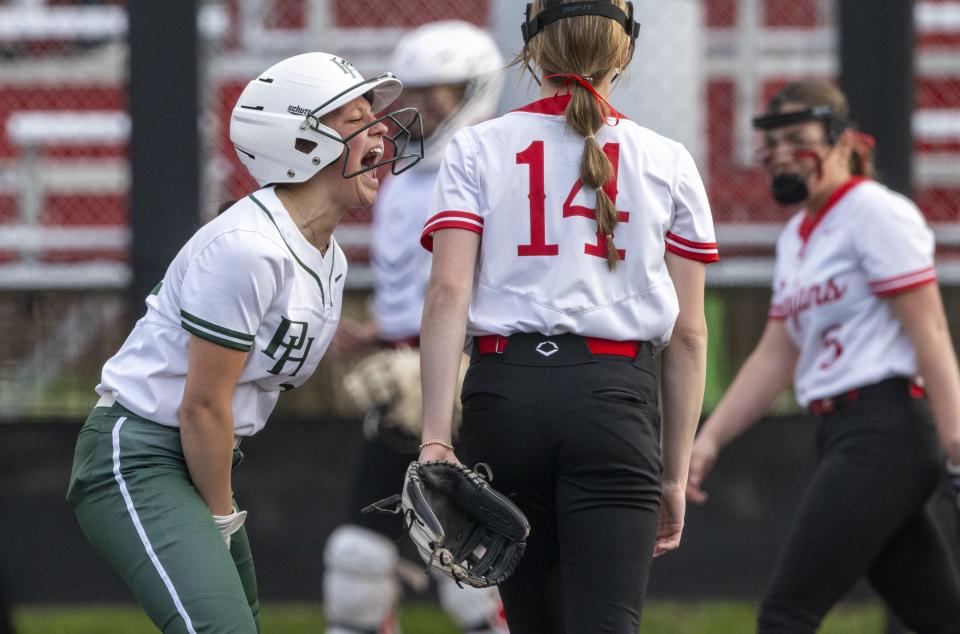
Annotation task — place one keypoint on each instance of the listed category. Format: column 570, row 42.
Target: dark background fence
column 293, row 482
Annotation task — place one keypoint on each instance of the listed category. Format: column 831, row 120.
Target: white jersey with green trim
column 248, row 280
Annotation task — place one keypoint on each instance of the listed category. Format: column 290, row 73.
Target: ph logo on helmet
column 345, row 66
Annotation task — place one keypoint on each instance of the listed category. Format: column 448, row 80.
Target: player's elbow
column 446, row 293
column 199, row 411
column 690, row 336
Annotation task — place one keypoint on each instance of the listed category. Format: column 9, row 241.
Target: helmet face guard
column 791, row 188
column 834, row 123
column 403, row 125
column 403, row 141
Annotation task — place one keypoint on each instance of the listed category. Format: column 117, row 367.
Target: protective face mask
column 789, row 189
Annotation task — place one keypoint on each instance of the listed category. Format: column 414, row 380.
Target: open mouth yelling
column 371, row 158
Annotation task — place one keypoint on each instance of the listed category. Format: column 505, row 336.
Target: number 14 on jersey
column 533, row 156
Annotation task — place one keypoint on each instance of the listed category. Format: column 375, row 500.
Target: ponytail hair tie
column 604, row 105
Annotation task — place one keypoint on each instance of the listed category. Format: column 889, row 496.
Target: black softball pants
column 864, row 514
column 573, row 440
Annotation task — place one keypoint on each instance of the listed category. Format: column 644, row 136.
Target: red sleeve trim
column 699, row 251
column 777, row 312
column 450, row 220
column 690, row 243
column 908, row 287
column 706, row 258
column 905, row 282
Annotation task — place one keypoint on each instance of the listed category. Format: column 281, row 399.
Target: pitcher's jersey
column 542, row 267
column 247, row 280
column 833, row 271
column 401, row 268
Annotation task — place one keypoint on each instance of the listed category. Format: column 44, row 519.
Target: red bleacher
column 736, row 188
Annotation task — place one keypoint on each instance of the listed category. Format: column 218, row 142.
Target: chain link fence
column 701, row 70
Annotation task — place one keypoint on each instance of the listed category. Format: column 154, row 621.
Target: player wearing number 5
column 856, row 319
column 569, row 243
column 245, row 311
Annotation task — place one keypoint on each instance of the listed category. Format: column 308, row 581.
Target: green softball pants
column 133, row 496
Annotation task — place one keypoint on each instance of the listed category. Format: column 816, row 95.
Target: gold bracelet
column 445, row 445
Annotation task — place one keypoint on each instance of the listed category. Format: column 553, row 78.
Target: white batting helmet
column 283, row 106
column 452, row 52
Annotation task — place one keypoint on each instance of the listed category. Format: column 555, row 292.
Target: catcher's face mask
column 791, row 144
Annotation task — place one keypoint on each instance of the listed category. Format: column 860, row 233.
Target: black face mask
column 789, row 189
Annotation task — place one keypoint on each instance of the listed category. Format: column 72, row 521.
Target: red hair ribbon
column 586, row 84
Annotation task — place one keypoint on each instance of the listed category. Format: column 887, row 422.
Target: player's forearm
column 206, row 434
column 764, row 375
column 442, row 335
column 683, row 374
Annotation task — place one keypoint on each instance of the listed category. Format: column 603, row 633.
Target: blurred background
column 114, row 148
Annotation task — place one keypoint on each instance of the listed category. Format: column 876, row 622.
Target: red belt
column 830, row 404
column 496, row 344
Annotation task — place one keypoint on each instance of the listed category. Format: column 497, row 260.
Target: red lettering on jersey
column 599, row 249
column 533, row 156
column 806, row 297
column 833, row 292
column 832, row 344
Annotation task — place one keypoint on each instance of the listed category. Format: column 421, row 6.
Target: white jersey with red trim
column 247, row 280
column 833, row 271
column 542, row 266
column 401, row 268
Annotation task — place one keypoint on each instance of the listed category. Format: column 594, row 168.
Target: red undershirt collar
column 810, row 223
column 557, row 105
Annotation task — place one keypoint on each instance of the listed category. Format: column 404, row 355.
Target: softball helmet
column 452, row 52
column 276, row 129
